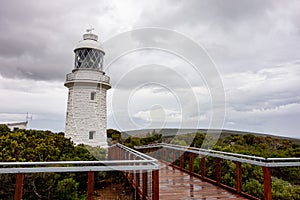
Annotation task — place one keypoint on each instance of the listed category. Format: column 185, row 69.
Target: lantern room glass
column 89, row 59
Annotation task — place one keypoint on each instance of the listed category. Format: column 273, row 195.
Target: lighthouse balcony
column 98, row 77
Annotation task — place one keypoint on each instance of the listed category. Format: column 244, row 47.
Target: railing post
column 110, row 153
column 114, row 153
column 166, row 155
column 123, row 154
column 238, row 172
column 145, row 182
column 218, row 170
column 203, row 166
column 160, row 153
column 173, row 156
column 19, row 187
column 191, row 164
column 90, row 186
column 182, row 161
column 136, row 180
column 127, row 157
column 155, row 184
column 267, row 183
column 137, row 177
column 137, row 183
column 130, row 157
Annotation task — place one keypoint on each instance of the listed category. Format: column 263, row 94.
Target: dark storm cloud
column 249, row 40
column 155, row 74
column 37, row 38
column 235, row 32
column 215, row 12
column 25, row 38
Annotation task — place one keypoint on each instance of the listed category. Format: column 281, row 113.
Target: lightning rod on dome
column 89, row 30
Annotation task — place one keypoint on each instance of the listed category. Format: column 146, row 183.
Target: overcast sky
column 253, row 44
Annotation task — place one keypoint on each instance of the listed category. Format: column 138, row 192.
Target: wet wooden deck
column 175, row 184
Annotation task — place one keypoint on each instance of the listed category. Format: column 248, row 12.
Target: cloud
column 237, row 34
column 38, row 39
column 265, row 88
column 267, row 100
column 255, row 45
column 45, row 101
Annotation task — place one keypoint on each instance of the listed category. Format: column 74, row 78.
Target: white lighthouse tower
column 86, row 108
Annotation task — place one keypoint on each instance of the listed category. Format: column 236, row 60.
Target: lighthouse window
column 91, row 135
column 88, row 58
column 93, row 95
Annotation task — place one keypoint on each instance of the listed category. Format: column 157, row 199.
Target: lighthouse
column 87, row 84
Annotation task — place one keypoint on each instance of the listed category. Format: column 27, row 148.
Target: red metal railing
column 145, row 182
column 165, row 151
column 140, row 169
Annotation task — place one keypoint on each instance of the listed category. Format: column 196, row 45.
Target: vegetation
column 114, row 135
column 285, row 180
column 149, row 139
column 34, row 145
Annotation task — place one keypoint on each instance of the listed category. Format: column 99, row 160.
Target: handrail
column 148, row 162
column 77, row 169
column 266, row 164
column 102, row 78
column 134, row 165
column 74, row 162
column 255, row 160
column 139, row 154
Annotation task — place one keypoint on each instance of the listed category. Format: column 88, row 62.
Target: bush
column 254, row 187
column 67, row 189
column 284, row 190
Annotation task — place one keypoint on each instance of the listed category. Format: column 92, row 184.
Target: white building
column 86, row 108
column 15, row 125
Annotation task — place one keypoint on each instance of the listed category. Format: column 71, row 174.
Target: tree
column 4, row 129
column 67, row 189
column 249, row 139
column 254, row 187
column 115, row 135
column 111, row 132
column 34, row 145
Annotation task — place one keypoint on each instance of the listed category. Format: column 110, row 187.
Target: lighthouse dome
column 90, row 41
column 89, row 53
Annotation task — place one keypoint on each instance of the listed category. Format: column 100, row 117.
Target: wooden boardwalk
column 175, row 184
